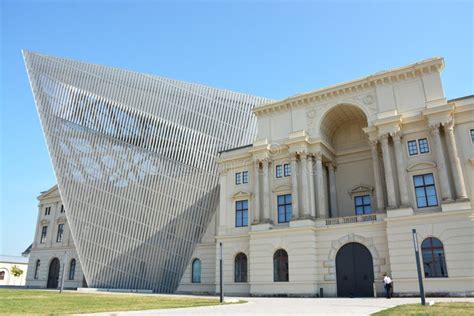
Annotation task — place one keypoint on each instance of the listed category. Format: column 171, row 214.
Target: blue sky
column 270, row 49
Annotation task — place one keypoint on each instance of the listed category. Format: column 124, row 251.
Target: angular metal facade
column 134, row 157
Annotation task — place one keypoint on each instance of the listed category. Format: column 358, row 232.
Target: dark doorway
column 354, row 271
column 53, row 274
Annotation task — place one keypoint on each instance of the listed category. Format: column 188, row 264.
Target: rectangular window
column 62, row 208
column 245, row 177
column 472, row 135
column 284, row 208
column 425, row 191
column 59, row 237
column 238, row 178
column 44, row 231
column 412, row 148
column 287, row 170
column 423, row 144
column 241, row 213
column 47, row 210
column 278, row 171
column 362, row 205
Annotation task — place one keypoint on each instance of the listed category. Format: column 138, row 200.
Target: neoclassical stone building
column 323, row 202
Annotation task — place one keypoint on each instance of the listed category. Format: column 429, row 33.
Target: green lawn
column 438, row 309
column 21, row 301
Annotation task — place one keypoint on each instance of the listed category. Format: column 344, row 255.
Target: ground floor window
column 240, row 268
column 196, row 271
column 72, row 269
column 434, row 263
column 280, row 266
column 37, row 265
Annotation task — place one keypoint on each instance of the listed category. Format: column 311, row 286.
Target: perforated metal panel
column 134, row 157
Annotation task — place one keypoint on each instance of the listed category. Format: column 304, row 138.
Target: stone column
column 377, row 175
column 389, row 181
column 266, row 192
column 222, row 198
column 332, row 189
column 401, row 172
column 437, row 145
column 312, row 202
column 294, row 186
column 256, row 181
column 304, row 184
column 454, row 159
column 320, row 187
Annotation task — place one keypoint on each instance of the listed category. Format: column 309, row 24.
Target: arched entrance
column 354, row 271
column 53, row 274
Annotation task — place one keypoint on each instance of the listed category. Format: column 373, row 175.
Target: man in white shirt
column 387, row 282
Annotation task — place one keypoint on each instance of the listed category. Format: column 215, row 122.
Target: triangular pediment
column 241, row 194
column 360, row 188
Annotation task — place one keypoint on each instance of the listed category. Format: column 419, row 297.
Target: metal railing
column 352, row 219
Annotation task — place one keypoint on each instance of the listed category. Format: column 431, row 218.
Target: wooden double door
column 354, row 271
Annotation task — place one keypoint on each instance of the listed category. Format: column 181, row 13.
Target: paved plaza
column 295, row 306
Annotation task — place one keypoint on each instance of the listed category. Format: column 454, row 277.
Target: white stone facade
column 338, row 146
column 7, row 278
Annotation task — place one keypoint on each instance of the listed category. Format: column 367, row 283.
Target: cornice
column 435, row 64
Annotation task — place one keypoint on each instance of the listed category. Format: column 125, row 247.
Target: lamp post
column 64, row 271
column 418, row 266
column 220, row 276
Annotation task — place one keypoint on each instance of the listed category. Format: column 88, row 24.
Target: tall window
column 44, row 231
column 240, row 268
column 423, row 144
column 245, row 177
column 472, row 135
column 412, row 148
column 284, row 208
column 287, row 170
column 241, row 213
column 59, row 236
column 72, row 269
column 425, row 190
column 37, row 266
column 278, row 171
column 238, row 178
column 196, row 271
column 2, row 275
column 62, row 208
column 362, row 205
column 47, row 210
column 280, row 266
column 434, row 262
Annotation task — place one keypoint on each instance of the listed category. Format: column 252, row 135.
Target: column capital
column 384, row 138
column 330, row 165
column 318, row 155
column 448, row 124
column 397, row 136
column 294, row 156
column 434, row 128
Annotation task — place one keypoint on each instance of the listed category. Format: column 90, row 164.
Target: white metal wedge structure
column 134, row 157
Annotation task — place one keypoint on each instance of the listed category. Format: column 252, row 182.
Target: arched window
column 280, row 266
column 72, row 269
column 240, row 268
column 2, row 275
column 434, row 262
column 38, row 262
column 196, row 271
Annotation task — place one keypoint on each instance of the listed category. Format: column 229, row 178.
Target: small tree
column 16, row 271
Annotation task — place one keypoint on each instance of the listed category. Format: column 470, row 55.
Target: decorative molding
column 281, row 188
column 241, row 194
column 421, row 166
column 360, row 188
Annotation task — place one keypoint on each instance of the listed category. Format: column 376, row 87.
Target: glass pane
column 288, row 199
column 436, row 243
column 238, row 220
column 418, row 180
column 281, row 217
column 429, row 179
column 281, row 199
column 420, row 192
column 430, row 191
column 358, row 200
column 359, row 210
column 245, row 204
column 432, row 201
column 245, row 220
column 368, row 210
column 288, row 213
column 367, row 199
column 421, row 202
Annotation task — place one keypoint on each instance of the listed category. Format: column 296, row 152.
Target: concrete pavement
column 294, row 306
